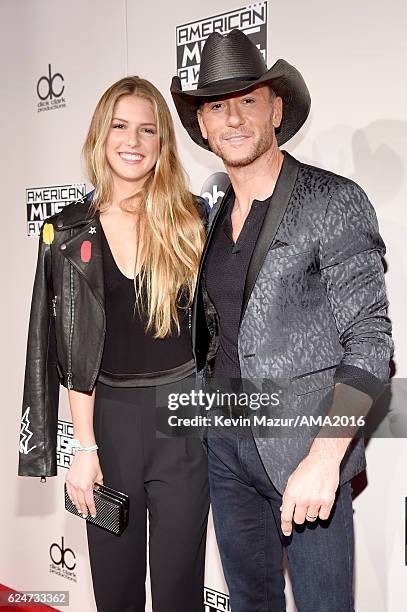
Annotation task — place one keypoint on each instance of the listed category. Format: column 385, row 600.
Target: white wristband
column 75, row 443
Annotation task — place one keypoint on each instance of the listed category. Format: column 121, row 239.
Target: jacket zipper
column 69, row 373
column 54, row 302
column 189, row 317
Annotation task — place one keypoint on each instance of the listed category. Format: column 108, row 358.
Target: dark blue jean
column 246, row 514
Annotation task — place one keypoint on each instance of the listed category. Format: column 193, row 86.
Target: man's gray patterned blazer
column 314, row 307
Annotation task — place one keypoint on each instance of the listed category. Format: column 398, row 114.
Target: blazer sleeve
column 39, row 417
column 351, row 251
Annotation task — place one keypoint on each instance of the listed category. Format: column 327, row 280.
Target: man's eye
column 248, row 100
column 216, row 106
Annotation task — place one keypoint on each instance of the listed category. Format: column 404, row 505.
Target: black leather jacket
column 66, row 328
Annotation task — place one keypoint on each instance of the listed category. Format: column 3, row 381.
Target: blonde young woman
column 118, row 271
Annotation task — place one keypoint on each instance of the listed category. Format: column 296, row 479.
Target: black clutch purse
column 112, row 508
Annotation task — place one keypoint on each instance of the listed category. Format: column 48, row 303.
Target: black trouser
column 167, row 476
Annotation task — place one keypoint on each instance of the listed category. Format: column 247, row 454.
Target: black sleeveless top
column 132, row 356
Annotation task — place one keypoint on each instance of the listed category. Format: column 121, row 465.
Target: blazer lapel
column 277, row 207
column 84, row 251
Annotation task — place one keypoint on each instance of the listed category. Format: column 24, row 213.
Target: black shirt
column 225, row 273
column 128, row 348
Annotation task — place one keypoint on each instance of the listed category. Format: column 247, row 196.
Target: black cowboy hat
column 232, row 64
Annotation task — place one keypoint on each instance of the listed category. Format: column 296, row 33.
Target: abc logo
column 214, row 187
column 61, row 555
column 46, row 88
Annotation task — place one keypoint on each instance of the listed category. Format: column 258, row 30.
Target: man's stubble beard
column 261, row 146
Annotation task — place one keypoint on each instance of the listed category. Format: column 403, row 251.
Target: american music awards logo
column 64, row 434
column 215, row 601
column 50, row 89
column 42, row 202
column 191, row 37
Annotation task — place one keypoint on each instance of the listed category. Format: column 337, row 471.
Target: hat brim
column 285, row 80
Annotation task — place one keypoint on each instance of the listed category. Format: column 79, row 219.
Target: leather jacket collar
column 79, row 213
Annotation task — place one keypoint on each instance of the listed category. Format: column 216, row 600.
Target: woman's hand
column 83, row 473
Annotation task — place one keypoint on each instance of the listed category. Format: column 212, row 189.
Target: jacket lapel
column 84, row 249
column 277, row 207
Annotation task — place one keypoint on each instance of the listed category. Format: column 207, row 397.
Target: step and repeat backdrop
column 57, row 59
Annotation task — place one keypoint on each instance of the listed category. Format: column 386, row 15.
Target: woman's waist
column 147, row 379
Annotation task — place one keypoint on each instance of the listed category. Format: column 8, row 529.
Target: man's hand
column 311, row 488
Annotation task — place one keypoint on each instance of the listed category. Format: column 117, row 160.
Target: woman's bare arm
column 82, row 406
column 85, row 469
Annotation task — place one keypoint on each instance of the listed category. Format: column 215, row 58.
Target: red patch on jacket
column 86, row 251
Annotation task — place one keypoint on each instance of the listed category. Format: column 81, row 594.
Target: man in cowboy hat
column 290, row 290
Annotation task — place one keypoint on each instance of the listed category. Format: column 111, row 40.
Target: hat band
column 247, row 78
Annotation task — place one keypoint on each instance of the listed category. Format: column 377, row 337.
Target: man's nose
column 234, row 115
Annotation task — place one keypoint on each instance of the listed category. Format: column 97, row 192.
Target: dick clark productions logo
column 50, row 88
column 63, row 561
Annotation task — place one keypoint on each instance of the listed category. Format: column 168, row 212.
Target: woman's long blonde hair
column 173, row 233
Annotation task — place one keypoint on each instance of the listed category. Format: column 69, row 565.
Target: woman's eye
column 216, row 106
column 118, row 125
column 149, row 130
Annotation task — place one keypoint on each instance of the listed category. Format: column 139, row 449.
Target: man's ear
column 277, row 111
column 201, row 124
